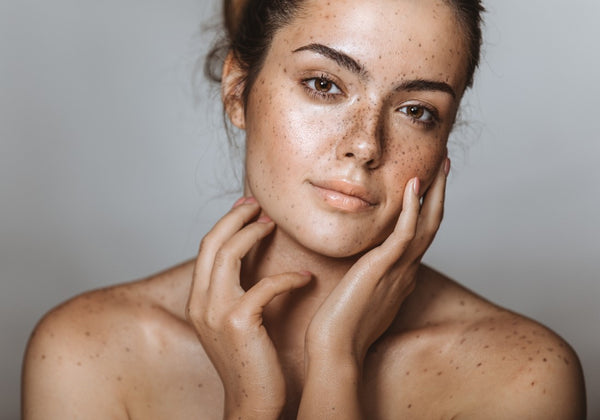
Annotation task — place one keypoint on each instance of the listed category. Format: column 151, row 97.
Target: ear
column 232, row 87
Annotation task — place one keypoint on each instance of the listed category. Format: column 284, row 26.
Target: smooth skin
column 298, row 306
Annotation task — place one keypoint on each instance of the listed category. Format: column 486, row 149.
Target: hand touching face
column 354, row 98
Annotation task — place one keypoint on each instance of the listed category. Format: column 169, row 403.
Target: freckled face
column 355, row 98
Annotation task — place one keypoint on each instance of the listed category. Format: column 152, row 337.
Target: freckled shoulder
column 472, row 359
column 524, row 370
column 109, row 352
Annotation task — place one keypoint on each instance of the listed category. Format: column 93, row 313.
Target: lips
column 344, row 195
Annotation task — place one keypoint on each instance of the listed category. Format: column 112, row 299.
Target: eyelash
column 434, row 117
column 313, row 92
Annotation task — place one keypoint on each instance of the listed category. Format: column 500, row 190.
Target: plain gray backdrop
column 113, row 162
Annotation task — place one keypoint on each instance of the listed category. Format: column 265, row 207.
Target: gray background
column 112, row 162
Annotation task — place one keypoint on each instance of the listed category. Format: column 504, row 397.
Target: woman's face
column 355, row 98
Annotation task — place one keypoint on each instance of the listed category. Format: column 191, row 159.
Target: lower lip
column 342, row 201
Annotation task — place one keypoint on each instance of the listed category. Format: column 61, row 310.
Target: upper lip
column 348, row 188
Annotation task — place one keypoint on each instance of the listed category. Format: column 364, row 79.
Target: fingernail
column 305, row 273
column 238, row 202
column 264, row 219
column 447, row 166
column 416, row 185
column 249, row 200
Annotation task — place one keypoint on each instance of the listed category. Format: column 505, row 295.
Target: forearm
column 331, row 391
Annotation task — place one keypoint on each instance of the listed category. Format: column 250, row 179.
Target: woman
column 308, row 299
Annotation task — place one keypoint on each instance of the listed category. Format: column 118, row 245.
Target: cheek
column 411, row 155
column 284, row 130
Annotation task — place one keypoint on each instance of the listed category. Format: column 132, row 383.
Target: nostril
column 349, row 155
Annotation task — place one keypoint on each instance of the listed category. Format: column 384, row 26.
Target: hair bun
column 233, row 10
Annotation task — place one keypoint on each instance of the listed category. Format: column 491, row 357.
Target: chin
column 336, row 244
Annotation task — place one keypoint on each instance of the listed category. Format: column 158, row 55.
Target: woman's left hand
column 363, row 305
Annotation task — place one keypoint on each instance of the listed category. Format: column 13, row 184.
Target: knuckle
column 235, row 321
column 223, row 255
column 206, row 243
column 210, row 319
column 406, row 235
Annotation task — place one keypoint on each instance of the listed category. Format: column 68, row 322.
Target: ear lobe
column 232, row 88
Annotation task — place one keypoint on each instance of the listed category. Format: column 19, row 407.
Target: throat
column 280, row 253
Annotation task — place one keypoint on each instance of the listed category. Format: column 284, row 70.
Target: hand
column 363, row 305
column 365, row 302
column 228, row 320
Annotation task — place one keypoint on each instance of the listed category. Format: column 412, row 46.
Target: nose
column 363, row 140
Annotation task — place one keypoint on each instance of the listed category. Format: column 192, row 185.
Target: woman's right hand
column 228, row 320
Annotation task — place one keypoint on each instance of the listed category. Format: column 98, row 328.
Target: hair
column 251, row 24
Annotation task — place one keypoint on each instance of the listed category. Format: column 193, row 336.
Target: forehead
column 411, row 38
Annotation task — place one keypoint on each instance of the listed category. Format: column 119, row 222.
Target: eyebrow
column 342, row 59
column 426, row 85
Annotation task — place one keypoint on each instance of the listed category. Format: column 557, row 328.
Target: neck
column 287, row 316
column 279, row 253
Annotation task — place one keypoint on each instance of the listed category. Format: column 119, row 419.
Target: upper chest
column 414, row 375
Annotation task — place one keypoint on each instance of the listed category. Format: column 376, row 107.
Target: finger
column 376, row 262
column 432, row 210
column 225, row 273
column 404, row 232
column 242, row 213
column 258, row 296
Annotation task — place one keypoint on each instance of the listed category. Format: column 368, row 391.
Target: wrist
column 332, row 387
column 248, row 405
column 336, row 369
column 251, row 412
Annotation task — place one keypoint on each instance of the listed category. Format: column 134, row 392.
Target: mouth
column 344, row 195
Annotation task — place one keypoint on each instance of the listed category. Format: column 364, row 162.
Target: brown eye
column 323, row 85
column 418, row 113
column 415, row 111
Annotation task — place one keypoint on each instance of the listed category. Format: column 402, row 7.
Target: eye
column 323, row 86
column 419, row 113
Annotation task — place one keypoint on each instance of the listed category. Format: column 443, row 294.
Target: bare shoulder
column 484, row 361
column 94, row 355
